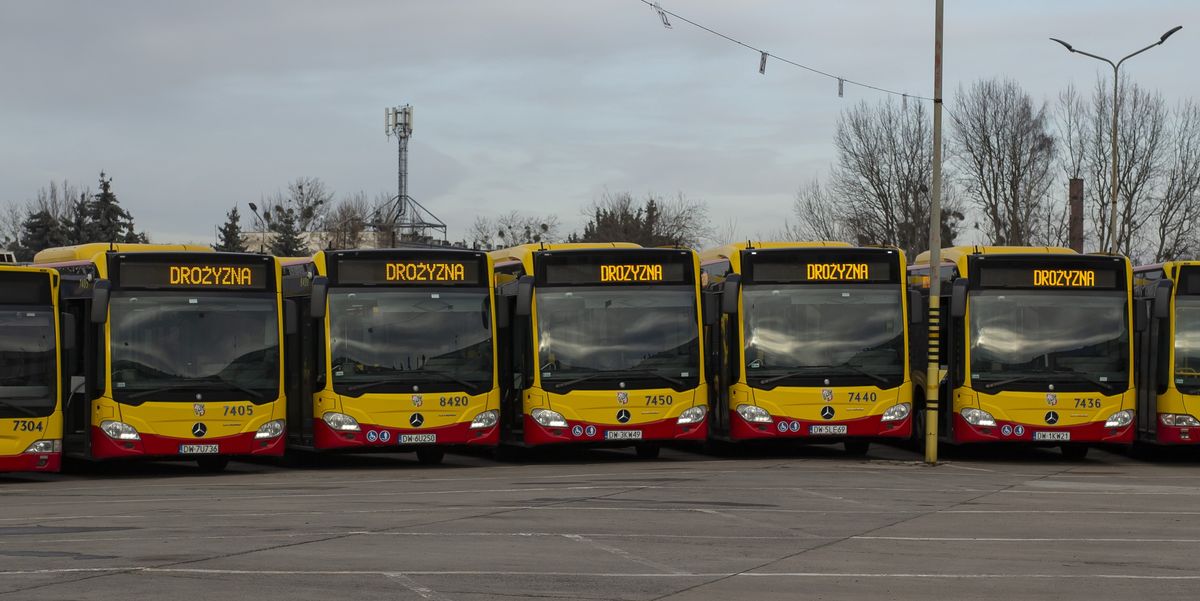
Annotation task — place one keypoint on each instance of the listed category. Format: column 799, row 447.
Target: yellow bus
column 602, row 345
column 181, row 357
column 31, row 373
column 1168, row 353
column 398, row 352
column 812, row 344
column 1036, row 347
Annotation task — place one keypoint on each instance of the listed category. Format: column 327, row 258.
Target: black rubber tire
column 430, row 456
column 647, row 451
column 1075, row 452
column 857, row 448
column 213, row 465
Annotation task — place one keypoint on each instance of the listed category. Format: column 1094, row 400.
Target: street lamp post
column 1116, row 95
column 262, row 226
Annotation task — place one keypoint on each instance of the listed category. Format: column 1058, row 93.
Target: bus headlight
column 692, row 415
column 754, row 414
column 45, row 446
column 548, row 418
column 487, row 419
column 1178, row 420
column 1120, row 419
column 119, row 430
column 340, row 421
column 897, row 412
column 270, row 429
column 978, row 417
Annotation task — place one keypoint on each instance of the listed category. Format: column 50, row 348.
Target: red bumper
column 1006, row 431
column 783, row 427
column 153, row 445
column 31, row 462
column 371, row 437
column 583, row 432
column 1177, row 435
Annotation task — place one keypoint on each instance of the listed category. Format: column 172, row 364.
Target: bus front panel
column 30, row 372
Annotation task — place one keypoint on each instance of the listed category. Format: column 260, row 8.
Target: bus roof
column 26, row 269
column 518, row 253
column 722, row 252
column 85, row 252
column 954, row 253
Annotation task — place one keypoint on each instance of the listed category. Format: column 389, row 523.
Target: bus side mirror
column 729, row 294
column 1162, row 299
column 958, row 298
column 320, row 295
column 66, row 326
column 1141, row 314
column 100, row 301
column 291, row 322
column 524, row 296
column 916, row 307
column 708, row 308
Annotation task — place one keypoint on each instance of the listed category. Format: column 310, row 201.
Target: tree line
column 1008, row 159
column 65, row 214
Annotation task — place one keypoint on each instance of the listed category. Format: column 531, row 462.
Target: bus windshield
column 799, row 333
column 1187, row 344
column 172, row 346
column 622, row 332
column 27, row 362
column 1030, row 338
column 392, row 340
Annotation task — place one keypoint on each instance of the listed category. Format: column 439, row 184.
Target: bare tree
column 513, row 228
column 1004, row 154
column 347, row 223
column 817, row 216
column 1176, row 207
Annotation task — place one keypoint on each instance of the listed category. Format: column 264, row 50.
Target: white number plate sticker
column 1056, row 436
column 418, row 438
column 623, row 435
column 199, row 449
column 836, row 429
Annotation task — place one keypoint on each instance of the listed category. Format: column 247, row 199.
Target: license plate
column 418, row 438
column 836, row 429
column 198, row 449
column 1055, row 436
column 623, row 435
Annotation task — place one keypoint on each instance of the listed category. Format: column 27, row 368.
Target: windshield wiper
column 211, row 383
column 806, row 371
column 25, row 410
column 619, row 372
column 408, row 376
column 1070, row 373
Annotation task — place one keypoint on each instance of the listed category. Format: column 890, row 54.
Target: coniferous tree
column 76, row 229
column 108, row 221
column 39, row 231
column 287, row 241
column 229, row 235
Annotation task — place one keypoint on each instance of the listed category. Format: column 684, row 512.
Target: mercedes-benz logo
column 1051, row 417
column 416, row 420
column 623, row 415
column 199, row 430
column 827, row 412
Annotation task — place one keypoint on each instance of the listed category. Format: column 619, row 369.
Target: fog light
column 978, row 417
column 119, row 430
column 753, row 413
column 340, row 421
column 271, row 429
column 548, row 418
column 692, row 415
column 487, row 419
column 897, row 412
column 1119, row 419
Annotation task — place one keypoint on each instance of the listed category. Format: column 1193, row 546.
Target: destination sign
column 1064, row 277
column 408, row 271
column 641, row 266
column 806, row 267
column 246, row 276
column 24, row 288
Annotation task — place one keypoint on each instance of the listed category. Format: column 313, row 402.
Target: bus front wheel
column 430, row 456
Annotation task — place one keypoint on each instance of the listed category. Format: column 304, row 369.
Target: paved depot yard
column 808, row 523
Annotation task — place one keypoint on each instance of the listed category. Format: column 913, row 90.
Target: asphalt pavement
column 776, row 523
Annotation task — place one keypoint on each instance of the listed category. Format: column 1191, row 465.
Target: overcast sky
column 519, row 104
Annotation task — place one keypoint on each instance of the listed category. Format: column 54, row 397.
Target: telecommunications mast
column 404, row 217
